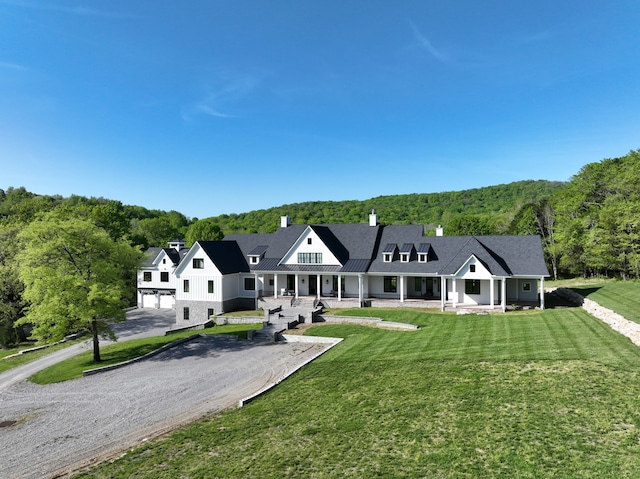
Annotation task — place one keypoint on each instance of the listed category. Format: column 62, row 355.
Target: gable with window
column 198, row 263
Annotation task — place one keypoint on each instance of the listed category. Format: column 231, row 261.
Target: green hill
column 494, row 203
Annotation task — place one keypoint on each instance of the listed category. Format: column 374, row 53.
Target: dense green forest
column 589, row 226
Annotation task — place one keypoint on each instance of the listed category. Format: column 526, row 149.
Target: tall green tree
column 75, row 277
column 12, row 303
column 204, row 230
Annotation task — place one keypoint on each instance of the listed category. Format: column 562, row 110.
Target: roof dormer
column 256, row 254
column 389, row 252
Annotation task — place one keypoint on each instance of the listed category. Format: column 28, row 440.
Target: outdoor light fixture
column 302, row 280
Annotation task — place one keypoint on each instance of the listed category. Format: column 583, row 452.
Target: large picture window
column 314, row 258
column 472, row 286
column 390, row 284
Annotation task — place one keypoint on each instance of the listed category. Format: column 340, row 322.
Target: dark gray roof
column 149, row 256
column 226, row 255
column 357, row 247
column 258, row 250
column 152, row 253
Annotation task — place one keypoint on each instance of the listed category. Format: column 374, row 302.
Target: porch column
column 275, row 286
column 504, row 294
column 360, row 290
column 443, row 292
column 256, row 293
column 318, row 285
column 492, row 293
column 401, row 289
column 339, row 287
column 541, row 292
column 454, row 288
column 296, row 277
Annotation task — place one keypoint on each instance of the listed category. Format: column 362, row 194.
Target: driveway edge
column 292, row 338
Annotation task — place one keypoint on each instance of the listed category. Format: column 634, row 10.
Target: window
column 472, row 286
column 164, row 260
column 254, row 260
column 526, row 286
column 315, row 258
column 185, row 314
column 472, row 268
column 185, row 285
column 386, row 257
column 270, row 282
column 210, row 313
column 198, row 263
column 404, row 257
column 422, row 258
column 417, row 285
column 308, row 240
column 390, row 284
column 249, row 284
column 210, row 286
column 146, row 276
column 164, row 276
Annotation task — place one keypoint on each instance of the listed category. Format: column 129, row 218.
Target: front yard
column 527, row 394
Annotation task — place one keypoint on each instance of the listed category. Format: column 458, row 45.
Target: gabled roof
column 152, row 254
column 494, row 264
column 407, row 248
column 226, row 255
column 329, row 239
column 258, row 250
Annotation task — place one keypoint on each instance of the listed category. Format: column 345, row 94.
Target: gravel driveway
column 63, row 426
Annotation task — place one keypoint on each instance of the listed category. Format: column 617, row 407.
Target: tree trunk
column 96, row 343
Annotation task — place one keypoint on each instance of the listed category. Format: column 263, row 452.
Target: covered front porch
column 361, row 290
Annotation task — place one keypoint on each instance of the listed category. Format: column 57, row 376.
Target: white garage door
column 149, row 300
column 167, row 301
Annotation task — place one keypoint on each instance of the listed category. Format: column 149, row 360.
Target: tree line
column 88, row 249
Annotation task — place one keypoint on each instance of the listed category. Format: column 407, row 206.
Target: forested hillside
column 490, row 207
column 589, row 226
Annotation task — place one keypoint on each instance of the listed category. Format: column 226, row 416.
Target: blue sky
column 211, row 107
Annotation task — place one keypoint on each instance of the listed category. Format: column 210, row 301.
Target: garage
column 148, row 300
column 167, row 301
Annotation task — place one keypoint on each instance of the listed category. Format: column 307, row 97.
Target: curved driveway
column 63, row 426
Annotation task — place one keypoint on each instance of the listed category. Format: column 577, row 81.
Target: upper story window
column 146, row 276
column 253, row 260
column 185, row 285
column 472, row 268
column 308, row 240
column 198, row 263
column 164, row 260
column 386, row 257
column 422, row 257
column 404, row 257
column 314, row 258
column 210, row 286
column 164, row 276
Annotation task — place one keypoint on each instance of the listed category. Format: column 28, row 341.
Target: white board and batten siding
column 199, row 278
column 310, row 242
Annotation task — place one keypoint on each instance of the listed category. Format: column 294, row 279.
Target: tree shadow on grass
column 584, row 291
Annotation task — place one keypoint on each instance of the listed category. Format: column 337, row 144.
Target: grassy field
column 519, row 395
column 8, row 363
column 124, row 351
column 623, row 297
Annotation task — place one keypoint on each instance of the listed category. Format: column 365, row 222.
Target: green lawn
column 8, row 363
column 623, row 297
column 533, row 394
column 124, row 351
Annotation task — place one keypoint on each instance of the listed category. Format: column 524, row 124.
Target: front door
column 313, row 286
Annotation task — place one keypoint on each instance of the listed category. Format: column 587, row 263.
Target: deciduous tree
column 75, row 277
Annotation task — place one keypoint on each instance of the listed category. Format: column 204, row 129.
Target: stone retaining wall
column 617, row 322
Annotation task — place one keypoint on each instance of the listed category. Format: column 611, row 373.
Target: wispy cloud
column 425, row 44
column 221, row 96
column 11, row 66
column 77, row 10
